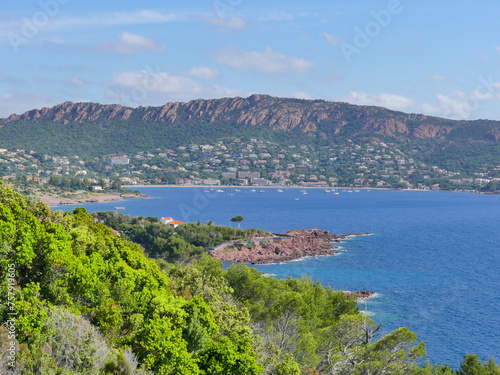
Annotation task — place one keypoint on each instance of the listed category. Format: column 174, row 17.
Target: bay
column 433, row 258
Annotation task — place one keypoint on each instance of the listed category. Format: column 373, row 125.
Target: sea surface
column 433, row 258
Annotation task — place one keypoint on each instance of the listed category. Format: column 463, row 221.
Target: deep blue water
column 433, row 258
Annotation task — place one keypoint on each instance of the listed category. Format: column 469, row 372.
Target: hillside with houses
column 255, row 141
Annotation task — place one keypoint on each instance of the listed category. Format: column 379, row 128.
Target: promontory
column 294, row 244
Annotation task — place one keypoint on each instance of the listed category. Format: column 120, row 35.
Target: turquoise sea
column 433, row 258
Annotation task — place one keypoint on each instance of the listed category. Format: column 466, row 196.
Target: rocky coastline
column 362, row 294
column 288, row 246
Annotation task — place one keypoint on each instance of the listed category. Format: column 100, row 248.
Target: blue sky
column 433, row 57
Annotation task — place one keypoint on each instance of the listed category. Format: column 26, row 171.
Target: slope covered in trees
column 76, row 299
column 94, row 130
column 87, row 302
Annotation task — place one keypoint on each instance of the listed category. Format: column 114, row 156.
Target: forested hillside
column 93, row 130
column 77, row 299
column 259, row 140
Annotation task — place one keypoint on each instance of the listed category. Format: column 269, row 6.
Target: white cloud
column 332, row 39
column 129, row 44
column 461, row 105
column 203, row 72
column 155, row 88
column 276, row 16
column 155, row 82
column 62, row 21
column 481, row 96
column 120, row 18
column 455, row 106
column 268, row 61
column 117, row 19
column 222, row 24
column 280, row 16
column 391, row 101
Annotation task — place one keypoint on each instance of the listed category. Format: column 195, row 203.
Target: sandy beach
column 259, row 187
column 272, row 187
column 88, row 198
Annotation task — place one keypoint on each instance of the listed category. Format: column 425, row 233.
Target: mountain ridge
column 282, row 114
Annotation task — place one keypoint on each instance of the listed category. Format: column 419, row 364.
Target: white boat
column 326, row 191
column 280, row 191
column 119, row 208
column 253, row 190
column 219, row 191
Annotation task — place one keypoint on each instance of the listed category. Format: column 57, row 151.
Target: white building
column 171, row 222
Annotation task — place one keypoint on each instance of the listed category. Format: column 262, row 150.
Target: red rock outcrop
column 362, row 294
column 298, row 244
column 314, row 117
column 430, row 131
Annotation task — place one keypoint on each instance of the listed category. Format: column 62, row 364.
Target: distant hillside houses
column 251, row 162
column 249, row 175
column 475, row 181
column 129, row 180
column 229, row 175
column 198, row 181
column 260, row 182
column 123, row 160
column 314, row 184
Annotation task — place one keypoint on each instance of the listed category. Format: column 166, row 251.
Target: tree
column 491, row 368
column 116, row 185
column 238, row 219
column 472, row 365
column 349, row 349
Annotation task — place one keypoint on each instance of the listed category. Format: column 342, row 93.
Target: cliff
column 318, row 117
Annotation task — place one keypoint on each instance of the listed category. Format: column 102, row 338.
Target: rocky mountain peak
column 283, row 114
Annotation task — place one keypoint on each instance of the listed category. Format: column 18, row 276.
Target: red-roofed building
column 170, row 221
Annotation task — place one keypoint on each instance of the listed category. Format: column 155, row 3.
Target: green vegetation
column 182, row 244
column 334, row 143
column 88, row 302
column 89, row 140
